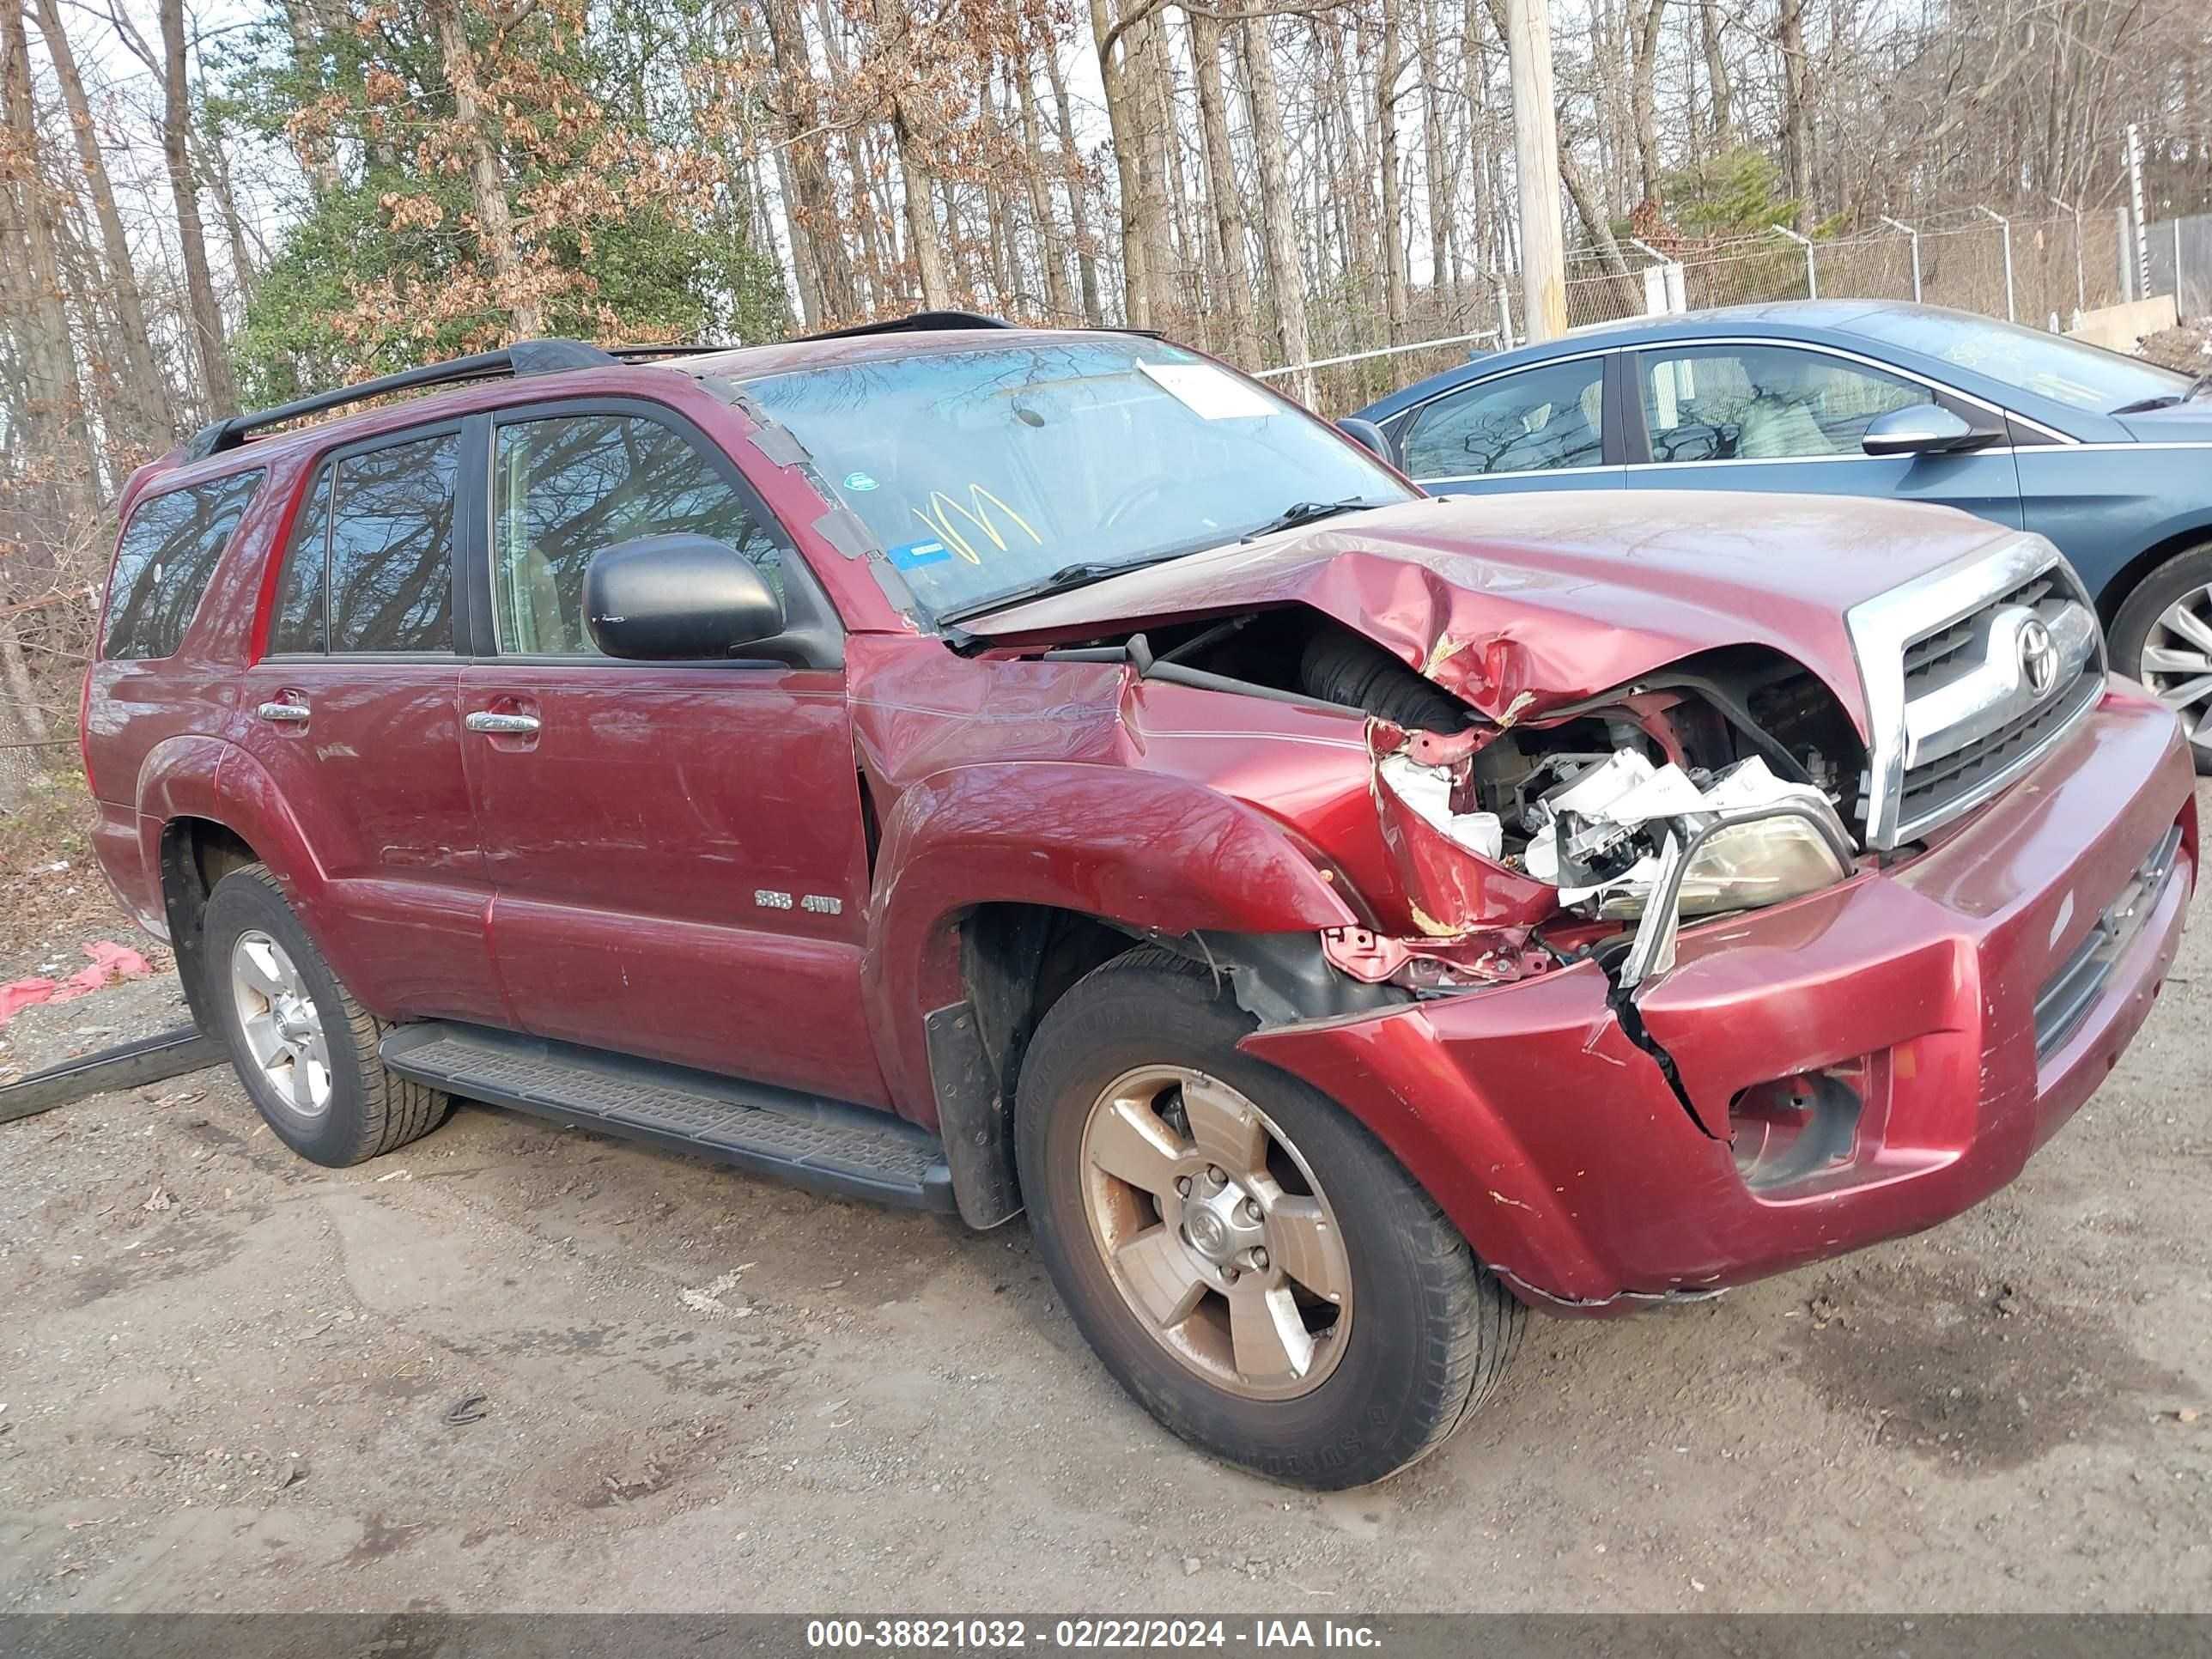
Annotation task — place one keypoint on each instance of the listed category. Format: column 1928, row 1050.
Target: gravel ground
column 510, row 1367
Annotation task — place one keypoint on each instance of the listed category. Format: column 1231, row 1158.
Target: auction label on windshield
column 1210, row 393
column 1088, row 1634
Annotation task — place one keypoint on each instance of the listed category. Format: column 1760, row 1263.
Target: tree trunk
column 1123, row 118
column 1434, row 168
column 1717, row 78
column 1286, row 283
column 209, row 349
column 1392, row 229
column 1079, row 203
column 1643, row 101
column 147, row 423
column 1221, row 189
column 816, row 235
column 920, row 212
column 1797, row 109
column 1052, row 252
column 242, row 265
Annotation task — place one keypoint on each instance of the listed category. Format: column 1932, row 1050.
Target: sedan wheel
column 2177, row 662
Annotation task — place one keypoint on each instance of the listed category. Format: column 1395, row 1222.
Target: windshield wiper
column 1066, row 578
column 1304, row 513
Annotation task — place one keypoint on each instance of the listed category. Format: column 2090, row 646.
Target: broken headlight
column 1740, row 866
column 1610, row 829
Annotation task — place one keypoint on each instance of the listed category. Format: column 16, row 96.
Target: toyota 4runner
column 984, row 769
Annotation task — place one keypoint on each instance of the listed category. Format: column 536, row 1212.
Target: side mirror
column 1368, row 436
column 1923, row 429
column 677, row 598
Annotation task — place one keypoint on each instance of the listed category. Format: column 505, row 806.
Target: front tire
column 1247, row 1261
column 2162, row 635
column 306, row 1051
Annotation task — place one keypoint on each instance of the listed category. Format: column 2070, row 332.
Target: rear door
column 350, row 710
column 1759, row 415
column 677, row 847
column 1546, row 427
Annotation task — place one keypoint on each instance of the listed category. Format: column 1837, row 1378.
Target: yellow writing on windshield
column 938, row 518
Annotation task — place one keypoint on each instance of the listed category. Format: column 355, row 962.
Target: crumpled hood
column 1522, row 603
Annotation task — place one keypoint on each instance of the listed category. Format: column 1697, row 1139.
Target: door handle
column 283, row 713
column 506, row 725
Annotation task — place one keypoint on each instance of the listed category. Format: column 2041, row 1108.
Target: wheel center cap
column 1207, row 1235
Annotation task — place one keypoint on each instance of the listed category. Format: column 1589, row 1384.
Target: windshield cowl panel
column 985, row 473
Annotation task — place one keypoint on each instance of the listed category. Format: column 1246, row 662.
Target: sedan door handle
column 507, row 726
column 283, row 713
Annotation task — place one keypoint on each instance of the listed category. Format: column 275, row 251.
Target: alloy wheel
column 1214, row 1231
column 283, row 1026
column 2177, row 662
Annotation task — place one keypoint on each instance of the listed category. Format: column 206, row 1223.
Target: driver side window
column 1755, row 402
column 566, row 487
column 1538, row 421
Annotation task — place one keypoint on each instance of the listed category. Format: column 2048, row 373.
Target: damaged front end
column 1518, row 847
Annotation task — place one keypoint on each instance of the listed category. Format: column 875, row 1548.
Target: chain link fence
column 2179, row 254
column 2039, row 269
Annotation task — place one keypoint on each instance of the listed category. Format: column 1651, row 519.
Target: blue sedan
column 2108, row 456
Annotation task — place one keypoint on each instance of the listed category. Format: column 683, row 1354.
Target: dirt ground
column 512, row 1367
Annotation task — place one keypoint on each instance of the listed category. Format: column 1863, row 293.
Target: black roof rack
column 523, row 358
column 920, row 322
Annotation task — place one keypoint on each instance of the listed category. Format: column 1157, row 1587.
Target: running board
column 825, row 1145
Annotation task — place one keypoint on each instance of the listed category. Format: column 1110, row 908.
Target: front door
column 351, row 714
column 1771, row 417
column 677, row 848
column 1540, row 428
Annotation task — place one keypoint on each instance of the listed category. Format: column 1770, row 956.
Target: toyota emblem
column 2038, row 657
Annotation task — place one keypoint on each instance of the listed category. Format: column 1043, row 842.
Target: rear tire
column 1419, row 1333
column 306, row 1051
column 2170, row 615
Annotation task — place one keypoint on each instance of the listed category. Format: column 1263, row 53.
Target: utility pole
column 1536, row 158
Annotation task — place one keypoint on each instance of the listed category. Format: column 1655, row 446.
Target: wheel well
column 196, row 854
column 1017, row 960
column 2138, row 569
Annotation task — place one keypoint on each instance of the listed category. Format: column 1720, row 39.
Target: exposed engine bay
column 1726, row 779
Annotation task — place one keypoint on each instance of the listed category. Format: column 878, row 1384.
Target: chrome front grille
column 1972, row 672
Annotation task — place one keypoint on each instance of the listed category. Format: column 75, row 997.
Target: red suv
column 980, row 768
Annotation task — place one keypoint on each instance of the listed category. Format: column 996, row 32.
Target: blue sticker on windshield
column 918, row 553
column 858, row 481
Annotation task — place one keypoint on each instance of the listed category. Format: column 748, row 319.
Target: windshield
column 984, row 472
column 2049, row 365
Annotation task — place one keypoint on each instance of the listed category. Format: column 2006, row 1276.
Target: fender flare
column 1142, row 851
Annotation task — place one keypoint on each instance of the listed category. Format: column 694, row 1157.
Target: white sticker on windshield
column 1210, row 393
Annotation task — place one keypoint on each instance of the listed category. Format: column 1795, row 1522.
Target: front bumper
column 1558, row 1146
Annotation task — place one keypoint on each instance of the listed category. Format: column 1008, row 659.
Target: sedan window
column 1537, row 421
column 1764, row 403
column 2048, row 365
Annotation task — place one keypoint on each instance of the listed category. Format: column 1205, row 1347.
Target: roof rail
column 917, row 323
column 523, row 358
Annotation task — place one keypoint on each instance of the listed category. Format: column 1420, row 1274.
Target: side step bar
column 826, row 1145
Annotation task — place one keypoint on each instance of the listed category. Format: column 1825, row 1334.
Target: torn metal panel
column 1524, row 603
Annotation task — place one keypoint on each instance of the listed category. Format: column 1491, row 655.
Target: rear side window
column 371, row 562
column 168, row 552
